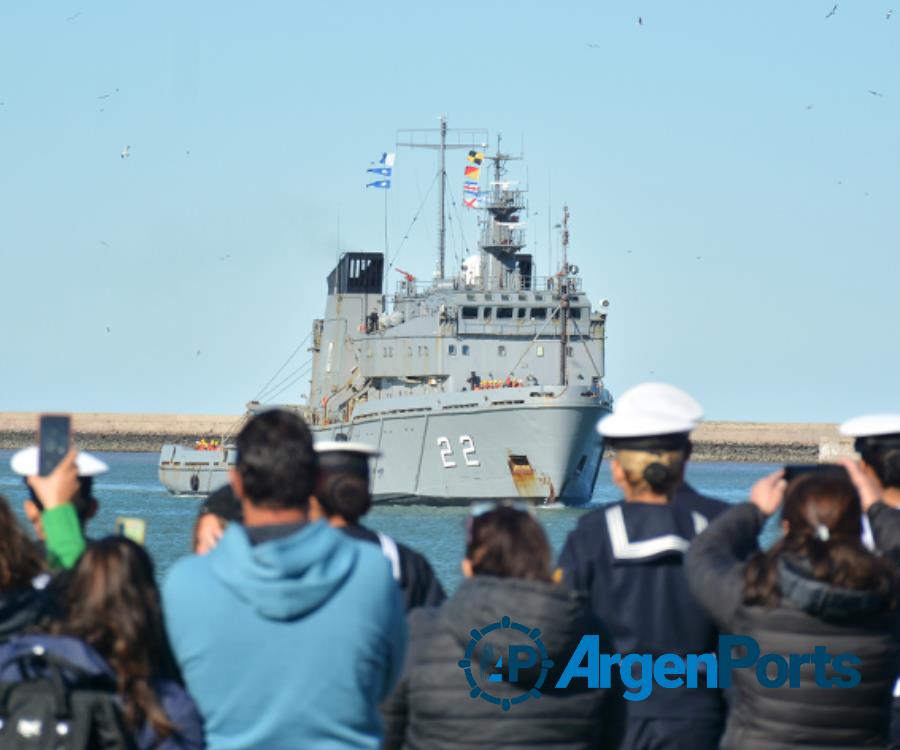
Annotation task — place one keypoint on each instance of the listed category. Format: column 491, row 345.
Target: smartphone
column 796, row 470
column 55, row 439
column 132, row 528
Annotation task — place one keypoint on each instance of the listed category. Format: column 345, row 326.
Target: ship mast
column 460, row 138
column 564, row 299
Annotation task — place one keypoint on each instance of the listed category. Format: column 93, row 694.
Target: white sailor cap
column 871, row 425
column 345, row 457
column 649, row 410
column 343, row 446
column 661, row 398
column 25, row 463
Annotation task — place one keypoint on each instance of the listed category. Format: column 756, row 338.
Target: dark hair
column 343, row 494
column 822, row 499
column 20, row 561
column 83, row 500
column 113, row 604
column 276, row 460
column 508, row 543
column 884, row 460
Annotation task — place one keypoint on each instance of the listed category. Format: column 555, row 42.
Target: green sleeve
column 63, row 536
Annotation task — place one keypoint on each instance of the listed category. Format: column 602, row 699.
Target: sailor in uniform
column 628, row 557
column 877, row 440
column 342, row 497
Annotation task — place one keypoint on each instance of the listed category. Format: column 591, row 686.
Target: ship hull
column 503, row 444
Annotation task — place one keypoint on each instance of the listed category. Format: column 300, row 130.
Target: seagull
column 832, row 11
column 72, row 18
column 103, row 96
column 126, row 152
column 887, row 16
column 105, row 244
column 640, row 21
column 107, row 329
column 809, row 106
column 594, row 46
column 187, row 153
column 225, row 257
column 198, row 352
column 875, row 93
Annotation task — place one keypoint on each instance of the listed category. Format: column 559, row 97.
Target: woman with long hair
column 819, row 587
column 113, row 605
column 22, row 576
column 507, row 584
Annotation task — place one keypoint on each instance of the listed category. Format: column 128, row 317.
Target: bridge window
column 470, row 313
column 540, row 351
column 451, row 349
column 520, row 313
column 575, row 312
column 504, row 312
column 501, row 350
column 538, row 313
column 488, row 313
column 465, row 350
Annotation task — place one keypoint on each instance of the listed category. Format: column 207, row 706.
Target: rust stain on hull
column 527, row 482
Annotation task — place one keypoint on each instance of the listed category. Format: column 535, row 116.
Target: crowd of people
column 294, row 625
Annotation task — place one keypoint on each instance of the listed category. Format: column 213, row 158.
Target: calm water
column 132, row 489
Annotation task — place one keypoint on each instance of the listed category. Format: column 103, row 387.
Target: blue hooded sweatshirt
column 290, row 643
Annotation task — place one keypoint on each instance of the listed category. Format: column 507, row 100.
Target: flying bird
column 126, row 152
column 875, row 93
column 594, row 46
column 72, row 18
column 105, row 244
column 107, row 329
column 640, row 21
column 198, row 352
column 887, row 16
column 809, row 106
column 832, row 11
column 103, row 96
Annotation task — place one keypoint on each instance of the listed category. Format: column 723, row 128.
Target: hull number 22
column 468, row 450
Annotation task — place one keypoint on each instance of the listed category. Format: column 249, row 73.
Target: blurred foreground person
column 288, row 633
column 220, row 508
column 62, row 503
column 111, row 634
column 629, row 558
column 818, row 588
column 343, row 497
column 23, row 596
column 507, row 574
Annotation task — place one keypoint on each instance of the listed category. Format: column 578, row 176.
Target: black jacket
column 20, row 609
column 628, row 557
column 414, row 574
column 811, row 613
column 431, row 709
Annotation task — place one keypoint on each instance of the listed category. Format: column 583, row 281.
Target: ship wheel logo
column 495, row 669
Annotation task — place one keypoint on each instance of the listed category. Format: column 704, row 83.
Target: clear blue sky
column 747, row 242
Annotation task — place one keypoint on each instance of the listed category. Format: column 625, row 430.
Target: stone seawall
column 713, row 441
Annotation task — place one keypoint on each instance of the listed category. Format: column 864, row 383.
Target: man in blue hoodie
column 288, row 633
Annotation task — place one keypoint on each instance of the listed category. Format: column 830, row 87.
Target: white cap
column 651, row 409
column 871, row 425
column 343, row 446
column 661, row 398
column 25, row 462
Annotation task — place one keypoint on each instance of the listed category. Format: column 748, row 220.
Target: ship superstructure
column 482, row 383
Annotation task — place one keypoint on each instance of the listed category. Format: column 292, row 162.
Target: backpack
column 57, row 705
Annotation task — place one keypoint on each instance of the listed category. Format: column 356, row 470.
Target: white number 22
column 468, row 449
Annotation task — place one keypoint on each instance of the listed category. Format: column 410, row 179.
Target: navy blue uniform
column 628, row 557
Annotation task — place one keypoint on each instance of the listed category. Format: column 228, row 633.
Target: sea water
column 132, row 488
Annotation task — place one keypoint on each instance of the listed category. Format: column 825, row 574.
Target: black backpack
column 57, row 705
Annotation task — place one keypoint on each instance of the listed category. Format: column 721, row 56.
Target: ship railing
column 512, row 283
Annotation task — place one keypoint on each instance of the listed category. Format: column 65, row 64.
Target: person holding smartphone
column 817, row 587
column 61, row 503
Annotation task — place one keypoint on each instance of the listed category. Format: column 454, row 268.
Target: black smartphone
column 795, row 470
column 55, row 439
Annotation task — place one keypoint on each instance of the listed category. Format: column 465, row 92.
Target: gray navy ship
column 485, row 383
